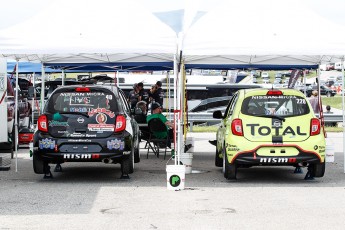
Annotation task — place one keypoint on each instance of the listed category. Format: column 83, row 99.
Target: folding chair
column 154, row 143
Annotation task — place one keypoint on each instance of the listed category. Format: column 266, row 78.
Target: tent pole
column 16, row 116
column 42, row 87
column 63, row 77
column 175, row 104
column 342, row 101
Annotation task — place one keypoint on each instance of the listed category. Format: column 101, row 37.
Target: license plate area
column 277, row 151
column 80, row 148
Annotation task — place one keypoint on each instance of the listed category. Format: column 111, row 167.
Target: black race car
column 86, row 124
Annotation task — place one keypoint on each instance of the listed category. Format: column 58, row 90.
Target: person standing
column 158, row 95
column 314, row 101
column 133, row 96
column 141, row 92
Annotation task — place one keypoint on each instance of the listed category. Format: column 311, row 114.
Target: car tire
column 218, row 161
column 329, row 94
column 38, row 165
column 229, row 170
column 13, row 140
column 137, row 153
column 127, row 164
column 318, row 170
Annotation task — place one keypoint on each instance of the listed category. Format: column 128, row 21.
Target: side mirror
column 218, row 114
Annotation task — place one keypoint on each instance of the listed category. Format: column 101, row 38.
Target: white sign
column 3, row 105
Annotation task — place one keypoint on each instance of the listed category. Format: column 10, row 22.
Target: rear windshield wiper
column 272, row 116
column 79, row 113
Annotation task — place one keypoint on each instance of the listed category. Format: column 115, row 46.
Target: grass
column 214, row 128
column 334, row 102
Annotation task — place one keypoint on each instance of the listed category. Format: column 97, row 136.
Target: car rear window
column 282, row 105
column 69, row 100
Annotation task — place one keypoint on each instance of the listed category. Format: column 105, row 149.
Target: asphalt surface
column 92, row 196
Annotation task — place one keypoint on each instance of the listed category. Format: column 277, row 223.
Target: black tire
column 329, row 94
column 229, row 170
column 218, row 161
column 13, row 140
column 137, row 153
column 127, row 164
column 318, row 170
column 38, row 165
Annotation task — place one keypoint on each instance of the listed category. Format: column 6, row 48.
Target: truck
column 23, row 119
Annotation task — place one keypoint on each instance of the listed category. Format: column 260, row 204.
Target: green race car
column 262, row 127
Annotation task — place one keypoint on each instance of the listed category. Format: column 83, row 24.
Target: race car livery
column 86, row 124
column 262, row 127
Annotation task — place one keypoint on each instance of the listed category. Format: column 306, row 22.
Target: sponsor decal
column 78, row 109
column 81, row 94
column 174, row 180
column 116, row 144
column 100, row 127
column 80, row 156
column 277, row 123
column 54, row 123
column 78, row 140
column 80, row 120
column 77, row 135
column 46, row 143
column 272, row 97
column 101, row 118
column 233, row 149
column 276, row 131
column 277, row 160
column 101, row 110
column 62, row 131
column 57, row 117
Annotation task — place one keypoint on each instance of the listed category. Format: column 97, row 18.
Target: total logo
column 80, row 156
column 272, row 160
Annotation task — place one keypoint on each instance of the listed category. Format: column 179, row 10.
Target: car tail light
column 274, row 92
column 315, row 127
column 42, row 123
column 82, row 89
column 120, row 123
column 236, row 127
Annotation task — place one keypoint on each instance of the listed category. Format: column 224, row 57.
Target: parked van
column 337, row 65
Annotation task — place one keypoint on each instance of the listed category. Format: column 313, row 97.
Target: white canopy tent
column 207, row 32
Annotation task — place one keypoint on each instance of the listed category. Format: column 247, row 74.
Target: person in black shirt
column 133, row 96
column 158, row 94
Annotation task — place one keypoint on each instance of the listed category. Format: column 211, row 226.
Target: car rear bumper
column 58, row 150
column 303, row 156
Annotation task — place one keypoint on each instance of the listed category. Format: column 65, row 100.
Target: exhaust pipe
column 107, row 160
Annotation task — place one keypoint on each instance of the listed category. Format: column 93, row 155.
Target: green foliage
column 334, row 102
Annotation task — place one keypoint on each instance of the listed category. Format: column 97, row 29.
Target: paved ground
column 91, row 196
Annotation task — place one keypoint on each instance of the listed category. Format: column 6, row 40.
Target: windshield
column 282, row 106
column 69, row 101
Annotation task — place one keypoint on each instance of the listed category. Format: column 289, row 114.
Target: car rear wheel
column 328, row 94
column 127, row 164
column 318, row 170
column 13, row 140
column 136, row 155
column 229, row 170
column 39, row 165
column 218, row 160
